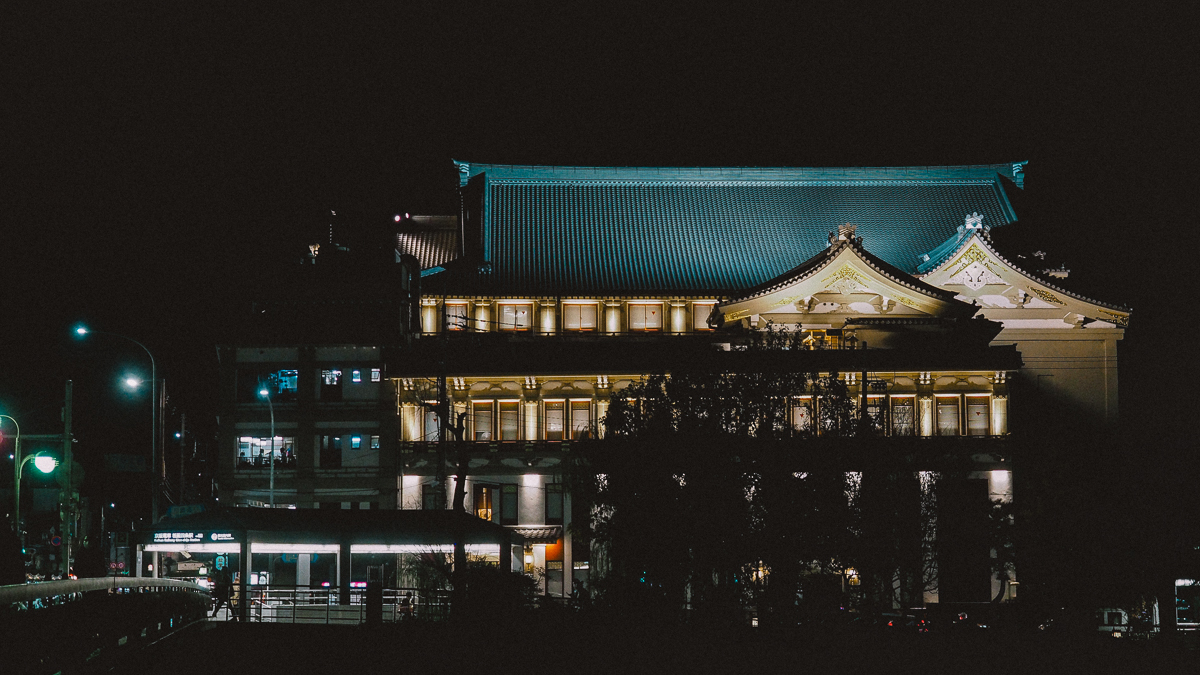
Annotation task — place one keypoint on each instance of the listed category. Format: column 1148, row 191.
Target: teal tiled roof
column 623, row 231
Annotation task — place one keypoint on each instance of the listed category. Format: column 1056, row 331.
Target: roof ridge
column 468, row 170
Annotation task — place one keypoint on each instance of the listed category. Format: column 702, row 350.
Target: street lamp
column 16, row 457
column 45, row 463
column 82, row 331
column 266, row 393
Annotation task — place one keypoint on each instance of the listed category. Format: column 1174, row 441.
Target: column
column 303, row 569
column 243, row 587
column 343, row 577
column 506, row 552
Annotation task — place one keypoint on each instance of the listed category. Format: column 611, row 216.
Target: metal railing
column 38, row 595
column 282, row 604
column 48, row 629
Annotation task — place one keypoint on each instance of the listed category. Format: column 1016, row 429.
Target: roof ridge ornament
column 974, row 221
column 844, row 233
column 1018, row 172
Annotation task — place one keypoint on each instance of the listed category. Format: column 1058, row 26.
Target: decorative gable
column 844, row 282
column 980, row 275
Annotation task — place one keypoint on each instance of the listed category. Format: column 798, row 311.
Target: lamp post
column 16, row 458
column 81, row 330
column 266, row 393
column 44, row 463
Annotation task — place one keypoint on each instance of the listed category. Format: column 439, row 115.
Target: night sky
column 158, row 156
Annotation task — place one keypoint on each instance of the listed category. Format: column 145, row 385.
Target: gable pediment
column 844, row 280
column 979, row 274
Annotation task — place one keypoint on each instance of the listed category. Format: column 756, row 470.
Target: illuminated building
column 557, row 286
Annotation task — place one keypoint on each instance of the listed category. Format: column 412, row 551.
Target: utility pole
column 67, row 496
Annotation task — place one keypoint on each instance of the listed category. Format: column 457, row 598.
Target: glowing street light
column 42, row 462
column 133, row 383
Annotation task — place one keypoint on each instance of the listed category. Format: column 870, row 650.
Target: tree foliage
column 703, row 493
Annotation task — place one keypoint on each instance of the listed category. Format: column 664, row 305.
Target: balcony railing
column 491, row 446
column 261, row 462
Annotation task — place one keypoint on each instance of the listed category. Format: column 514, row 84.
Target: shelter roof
column 546, row 230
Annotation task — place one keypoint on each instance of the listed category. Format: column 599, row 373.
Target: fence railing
column 42, row 594
column 56, row 626
column 324, row 606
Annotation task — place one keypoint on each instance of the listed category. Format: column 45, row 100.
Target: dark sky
column 158, row 155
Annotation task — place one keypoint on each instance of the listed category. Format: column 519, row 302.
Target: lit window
column 555, row 411
column 285, row 381
column 456, row 315
column 877, row 412
column 581, row 418
column 356, row 442
column 256, row 452
column 977, row 415
column 483, row 501
column 947, row 416
column 331, row 377
column 802, row 414
column 483, row 421
column 700, row 313
column 356, row 376
column 645, row 317
column 431, row 426
column 579, row 317
column 903, row 416
column 374, row 442
column 509, row 420
column 516, row 317
column 375, row 375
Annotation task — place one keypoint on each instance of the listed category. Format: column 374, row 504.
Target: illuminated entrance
column 310, row 550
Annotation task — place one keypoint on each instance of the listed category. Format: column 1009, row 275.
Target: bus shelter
column 315, row 548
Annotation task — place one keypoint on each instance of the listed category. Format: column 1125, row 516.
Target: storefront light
column 293, row 548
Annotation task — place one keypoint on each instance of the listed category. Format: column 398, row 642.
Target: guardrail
column 52, row 626
column 323, row 606
column 41, row 594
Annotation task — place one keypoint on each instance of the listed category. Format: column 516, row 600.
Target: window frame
column 985, row 401
column 643, row 306
column 700, row 323
column 513, row 406
column 515, row 327
column 581, row 404
column 913, row 423
column 510, row 504
column 578, row 307
column 490, row 432
column 562, row 409
column 551, row 490
column 938, row 400
column 455, row 320
column 483, row 501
